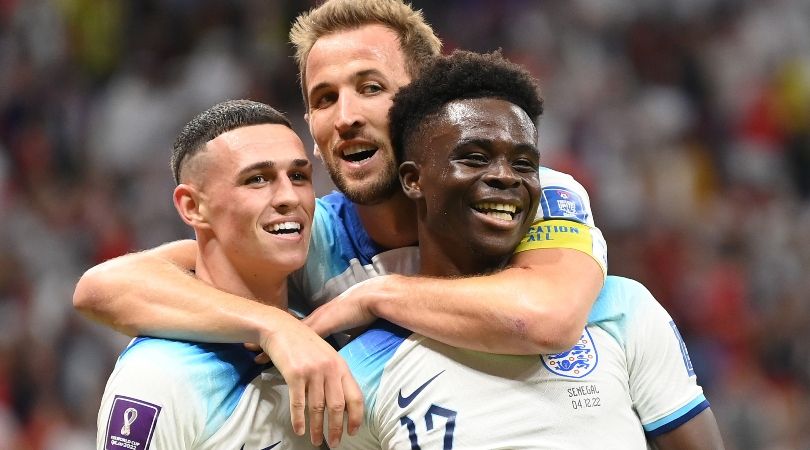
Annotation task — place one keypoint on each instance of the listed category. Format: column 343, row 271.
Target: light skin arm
column 700, row 433
column 153, row 293
column 539, row 304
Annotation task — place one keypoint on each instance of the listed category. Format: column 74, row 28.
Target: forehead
column 355, row 50
column 246, row 145
column 486, row 118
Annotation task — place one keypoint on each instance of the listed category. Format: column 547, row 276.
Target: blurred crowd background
column 688, row 121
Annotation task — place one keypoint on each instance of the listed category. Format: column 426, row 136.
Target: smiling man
column 465, row 131
column 353, row 57
column 244, row 186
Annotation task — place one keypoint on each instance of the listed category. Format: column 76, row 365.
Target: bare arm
column 153, row 293
column 538, row 305
column 700, row 433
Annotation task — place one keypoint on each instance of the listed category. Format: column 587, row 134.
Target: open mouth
column 360, row 152
column 502, row 211
column 283, row 228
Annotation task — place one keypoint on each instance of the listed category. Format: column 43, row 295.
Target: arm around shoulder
column 113, row 291
column 538, row 305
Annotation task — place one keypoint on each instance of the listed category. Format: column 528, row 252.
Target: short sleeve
column 663, row 384
column 564, row 219
column 146, row 406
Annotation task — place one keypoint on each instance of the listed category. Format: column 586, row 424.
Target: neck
column 254, row 281
column 391, row 223
column 445, row 259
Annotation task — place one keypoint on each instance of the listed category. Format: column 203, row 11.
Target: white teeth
column 500, row 215
column 496, row 207
column 351, row 150
column 286, row 226
column 501, row 211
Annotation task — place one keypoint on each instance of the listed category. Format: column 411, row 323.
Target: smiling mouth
column 500, row 211
column 360, row 152
column 283, row 228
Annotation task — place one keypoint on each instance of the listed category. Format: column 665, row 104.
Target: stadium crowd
column 687, row 121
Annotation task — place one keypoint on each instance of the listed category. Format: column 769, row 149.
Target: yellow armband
column 566, row 234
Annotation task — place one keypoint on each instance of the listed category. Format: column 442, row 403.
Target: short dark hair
column 459, row 76
column 218, row 119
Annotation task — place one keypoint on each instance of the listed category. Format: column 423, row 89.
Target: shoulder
column 374, row 347
column 212, row 371
column 621, row 302
column 563, row 197
column 332, row 204
column 368, row 354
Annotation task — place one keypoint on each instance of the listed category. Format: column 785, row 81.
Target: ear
column 409, row 179
column 315, row 150
column 189, row 204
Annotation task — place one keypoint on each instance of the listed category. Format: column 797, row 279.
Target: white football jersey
column 627, row 379
column 166, row 394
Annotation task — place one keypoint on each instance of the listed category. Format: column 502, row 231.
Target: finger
column 262, row 358
column 354, row 403
column 315, row 323
column 335, row 405
column 316, row 407
column 298, row 402
column 253, row 347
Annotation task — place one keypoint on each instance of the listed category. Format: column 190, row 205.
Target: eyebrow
column 361, row 74
column 261, row 165
column 488, row 143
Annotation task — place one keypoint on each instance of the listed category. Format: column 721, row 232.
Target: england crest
column 577, row 362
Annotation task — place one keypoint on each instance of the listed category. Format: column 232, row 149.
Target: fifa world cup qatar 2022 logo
column 130, row 415
column 131, row 424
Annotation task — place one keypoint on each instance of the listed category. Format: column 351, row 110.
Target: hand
column 319, row 381
column 348, row 310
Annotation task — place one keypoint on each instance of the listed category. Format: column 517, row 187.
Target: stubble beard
column 369, row 191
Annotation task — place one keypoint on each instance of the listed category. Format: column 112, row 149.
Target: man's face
column 351, row 78
column 257, row 196
column 478, row 176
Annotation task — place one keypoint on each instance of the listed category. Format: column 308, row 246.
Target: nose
column 348, row 113
column 502, row 175
column 285, row 197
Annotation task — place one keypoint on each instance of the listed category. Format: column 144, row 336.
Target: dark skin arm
column 700, row 433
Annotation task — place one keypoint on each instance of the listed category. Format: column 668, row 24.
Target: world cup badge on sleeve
column 577, row 362
column 131, row 424
column 561, row 203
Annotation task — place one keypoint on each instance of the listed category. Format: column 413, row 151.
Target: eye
column 322, row 100
column 299, row 177
column 370, row 88
column 475, row 159
column 256, row 179
column 525, row 165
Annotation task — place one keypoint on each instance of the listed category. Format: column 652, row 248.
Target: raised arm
column 153, row 293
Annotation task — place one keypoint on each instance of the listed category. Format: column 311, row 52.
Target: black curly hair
column 458, row 76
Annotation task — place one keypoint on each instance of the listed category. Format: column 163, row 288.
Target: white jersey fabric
column 166, row 394
column 629, row 376
column 341, row 254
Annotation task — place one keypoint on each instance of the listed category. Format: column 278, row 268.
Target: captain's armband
column 566, row 234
